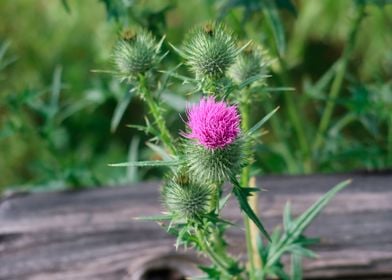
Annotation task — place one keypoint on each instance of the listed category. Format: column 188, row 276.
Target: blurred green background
column 56, row 113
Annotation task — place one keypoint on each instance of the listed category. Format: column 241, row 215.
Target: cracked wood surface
column 91, row 234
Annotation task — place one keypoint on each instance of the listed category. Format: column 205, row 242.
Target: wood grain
column 91, row 234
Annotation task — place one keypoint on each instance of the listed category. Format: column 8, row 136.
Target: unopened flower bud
column 210, row 51
column 186, row 198
column 252, row 62
column 135, row 54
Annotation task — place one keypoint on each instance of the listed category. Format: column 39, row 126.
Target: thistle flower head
column 210, row 50
column 252, row 62
column 136, row 53
column 186, row 198
column 217, row 154
column 213, row 124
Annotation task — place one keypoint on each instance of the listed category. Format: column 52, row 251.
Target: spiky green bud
column 214, row 165
column 186, row 198
column 210, row 50
column 251, row 63
column 136, row 54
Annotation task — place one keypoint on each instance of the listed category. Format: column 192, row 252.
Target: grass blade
column 258, row 125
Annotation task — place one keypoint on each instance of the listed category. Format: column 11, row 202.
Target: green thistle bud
column 214, row 165
column 210, row 51
column 251, row 63
column 186, row 198
column 136, row 54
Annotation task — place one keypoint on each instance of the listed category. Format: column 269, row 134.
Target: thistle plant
column 214, row 148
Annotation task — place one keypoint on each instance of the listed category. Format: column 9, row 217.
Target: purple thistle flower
column 213, row 124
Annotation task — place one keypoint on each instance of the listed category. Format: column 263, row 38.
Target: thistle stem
column 338, row 81
column 245, row 177
column 156, row 112
column 216, row 259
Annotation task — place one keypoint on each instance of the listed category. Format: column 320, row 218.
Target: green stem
column 215, row 258
column 338, row 81
column 156, row 112
column 245, row 177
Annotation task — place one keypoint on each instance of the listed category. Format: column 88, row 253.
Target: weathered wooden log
column 91, row 234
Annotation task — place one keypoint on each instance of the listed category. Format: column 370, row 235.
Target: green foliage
column 292, row 239
column 242, row 194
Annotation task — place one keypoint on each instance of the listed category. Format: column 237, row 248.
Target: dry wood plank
column 91, row 234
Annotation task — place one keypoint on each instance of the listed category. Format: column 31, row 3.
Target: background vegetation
column 61, row 123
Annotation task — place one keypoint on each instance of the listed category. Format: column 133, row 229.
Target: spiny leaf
column 147, row 163
column 242, row 196
column 258, row 125
column 158, row 218
column 214, row 218
column 301, row 223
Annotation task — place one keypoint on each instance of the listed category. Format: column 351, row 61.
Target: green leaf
column 288, row 5
column 223, row 201
column 120, row 109
column 278, row 271
column 158, row 218
column 214, row 218
column 251, row 80
column 302, row 222
column 263, row 250
column 272, row 89
column 147, row 163
column 242, row 196
column 132, row 174
column 296, row 267
column 272, row 17
column 66, row 6
column 287, row 216
column 302, row 251
column 258, row 125
column 212, row 273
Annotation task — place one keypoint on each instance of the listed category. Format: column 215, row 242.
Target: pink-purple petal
column 213, row 124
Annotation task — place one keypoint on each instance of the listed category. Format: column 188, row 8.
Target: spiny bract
column 214, row 165
column 136, row 53
column 186, row 198
column 210, row 50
